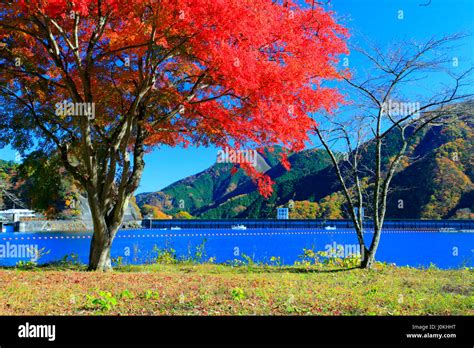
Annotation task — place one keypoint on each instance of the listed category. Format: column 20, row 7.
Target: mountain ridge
column 441, row 155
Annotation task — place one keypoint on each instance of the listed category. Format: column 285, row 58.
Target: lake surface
column 402, row 247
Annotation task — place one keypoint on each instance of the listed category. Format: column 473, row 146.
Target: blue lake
column 402, row 247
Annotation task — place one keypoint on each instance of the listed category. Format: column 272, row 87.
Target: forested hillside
column 435, row 181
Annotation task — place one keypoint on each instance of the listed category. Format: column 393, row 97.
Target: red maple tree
column 226, row 73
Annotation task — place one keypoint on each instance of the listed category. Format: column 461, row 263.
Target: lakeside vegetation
column 170, row 287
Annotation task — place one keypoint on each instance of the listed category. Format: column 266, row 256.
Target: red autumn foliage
column 226, row 73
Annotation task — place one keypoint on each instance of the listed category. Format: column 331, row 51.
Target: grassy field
column 208, row 289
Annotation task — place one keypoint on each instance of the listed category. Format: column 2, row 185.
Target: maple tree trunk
column 101, row 243
column 99, row 257
column 105, row 229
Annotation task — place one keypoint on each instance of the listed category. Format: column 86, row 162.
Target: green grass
column 209, row 289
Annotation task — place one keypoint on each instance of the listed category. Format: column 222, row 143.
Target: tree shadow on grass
column 319, row 270
column 185, row 268
column 288, row 269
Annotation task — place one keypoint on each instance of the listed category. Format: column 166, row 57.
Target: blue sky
column 374, row 19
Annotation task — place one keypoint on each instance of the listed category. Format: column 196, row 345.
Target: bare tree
column 384, row 118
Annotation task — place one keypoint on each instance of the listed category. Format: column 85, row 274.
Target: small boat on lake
column 448, row 229
column 239, row 227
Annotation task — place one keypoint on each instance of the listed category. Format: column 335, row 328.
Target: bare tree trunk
column 409, row 62
column 367, row 261
column 369, row 254
column 364, row 262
